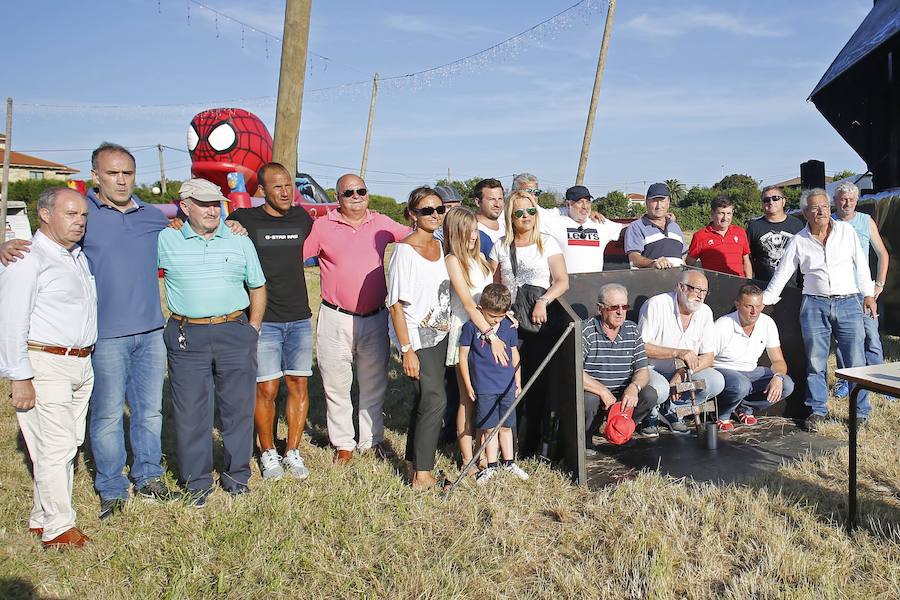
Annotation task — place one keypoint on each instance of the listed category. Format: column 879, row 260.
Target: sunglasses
column 359, row 192
column 520, row 212
column 697, row 290
column 615, row 307
column 429, row 210
column 535, row 191
column 769, row 199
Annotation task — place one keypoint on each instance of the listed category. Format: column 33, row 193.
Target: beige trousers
column 53, row 430
column 343, row 341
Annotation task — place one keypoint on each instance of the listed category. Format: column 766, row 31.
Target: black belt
column 350, row 312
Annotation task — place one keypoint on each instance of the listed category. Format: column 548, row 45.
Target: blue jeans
column 660, row 382
column 872, row 346
column 822, row 317
column 131, row 366
column 284, row 349
column 747, row 389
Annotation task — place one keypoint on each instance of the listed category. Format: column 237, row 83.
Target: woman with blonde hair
column 529, row 262
column 469, row 274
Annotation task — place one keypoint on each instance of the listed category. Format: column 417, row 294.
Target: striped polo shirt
column 612, row 363
column 651, row 242
column 206, row 278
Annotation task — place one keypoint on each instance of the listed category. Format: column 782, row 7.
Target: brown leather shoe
column 36, row 531
column 342, row 457
column 70, row 537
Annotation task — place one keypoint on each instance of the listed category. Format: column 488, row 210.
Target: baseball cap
column 448, row 193
column 619, row 424
column 657, row 190
column 202, row 190
column 576, row 193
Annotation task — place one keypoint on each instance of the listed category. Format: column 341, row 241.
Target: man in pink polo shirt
column 352, row 325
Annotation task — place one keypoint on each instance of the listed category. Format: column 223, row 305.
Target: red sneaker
column 746, row 419
column 725, row 425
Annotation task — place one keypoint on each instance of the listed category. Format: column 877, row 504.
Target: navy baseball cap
column 576, row 193
column 658, row 190
column 448, row 194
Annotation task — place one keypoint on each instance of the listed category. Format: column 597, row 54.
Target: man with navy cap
column 655, row 241
column 582, row 238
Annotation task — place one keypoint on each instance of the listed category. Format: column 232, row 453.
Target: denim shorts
column 284, row 349
column 490, row 407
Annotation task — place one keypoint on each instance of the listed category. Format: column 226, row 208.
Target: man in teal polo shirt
column 211, row 342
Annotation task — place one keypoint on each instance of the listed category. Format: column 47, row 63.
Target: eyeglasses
column 697, row 290
column 614, row 307
column 520, row 212
column 768, row 199
column 822, row 208
column 359, row 192
column 535, row 191
column 429, row 210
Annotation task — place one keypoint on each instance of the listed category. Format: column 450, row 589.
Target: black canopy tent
column 859, row 94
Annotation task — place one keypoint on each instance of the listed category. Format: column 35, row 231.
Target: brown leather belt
column 79, row 352
column 209, row 320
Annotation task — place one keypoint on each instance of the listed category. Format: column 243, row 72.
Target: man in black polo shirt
column 278, row 230
column 615, row 363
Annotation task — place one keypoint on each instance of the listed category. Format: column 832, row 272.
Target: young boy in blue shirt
column 490, row 385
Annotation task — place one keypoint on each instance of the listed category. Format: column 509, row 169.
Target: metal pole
column 851, row 500
column 595, row 97
column 4, row 187
column 162, row 173
column 365, row 159
column 496, row 430
column 290, row 82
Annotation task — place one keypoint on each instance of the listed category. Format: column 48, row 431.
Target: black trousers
column 222, row 358
column 593, row 408
column 428, row 408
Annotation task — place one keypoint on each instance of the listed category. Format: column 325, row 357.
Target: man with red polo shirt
column 721, row 246
column 352, row 325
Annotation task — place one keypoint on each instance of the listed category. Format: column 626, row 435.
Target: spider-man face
column 222, row 140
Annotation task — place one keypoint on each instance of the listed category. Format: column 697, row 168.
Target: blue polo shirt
column 121, row 251
column 206, row 278
column 652, row 242
column 488, row 376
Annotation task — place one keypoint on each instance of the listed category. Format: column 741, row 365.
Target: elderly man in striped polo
column 615, row 364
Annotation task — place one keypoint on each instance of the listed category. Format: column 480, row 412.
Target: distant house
column 25, row 166
column 795, row 183
column 636, row 199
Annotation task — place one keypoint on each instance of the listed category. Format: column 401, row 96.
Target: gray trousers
column 221, row 358
column 593, row 407
column 428, row 407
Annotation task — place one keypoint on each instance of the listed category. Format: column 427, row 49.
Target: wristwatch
column 779, row 376
column 879, row 284
column 405, row 348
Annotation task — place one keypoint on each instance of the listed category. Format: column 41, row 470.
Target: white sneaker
column 484, row 476
column 270, row 465
column 294, row 463
column 517, row 471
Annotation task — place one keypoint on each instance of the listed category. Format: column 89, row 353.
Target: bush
column 27, row 191
column 383, row 204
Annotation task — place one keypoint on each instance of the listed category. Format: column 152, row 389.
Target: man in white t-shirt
column 678, row 326
column 489, row 200
column 583, row 240
column 741, row 337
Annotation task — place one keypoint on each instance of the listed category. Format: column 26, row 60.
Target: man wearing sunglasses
column 680, row 338
column 615, row 363
column 769, row 234
column 352, row 325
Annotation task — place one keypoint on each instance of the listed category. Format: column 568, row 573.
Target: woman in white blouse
column 539, row 262
column 469, row 274
column 419, row 303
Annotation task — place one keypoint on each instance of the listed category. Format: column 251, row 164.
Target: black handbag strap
column 513, row 261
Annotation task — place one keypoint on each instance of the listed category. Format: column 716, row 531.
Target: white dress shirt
column 837, row 268
column 660, row 325
column 48, row 297
column 738, row 351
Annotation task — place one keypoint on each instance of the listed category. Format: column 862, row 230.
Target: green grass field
column 361, row 532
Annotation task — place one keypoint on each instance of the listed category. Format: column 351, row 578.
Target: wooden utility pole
column 365, row 159
column 4, row 186
column 290, row 82
column 162, row 173
column 595, row 97
column 448, row 176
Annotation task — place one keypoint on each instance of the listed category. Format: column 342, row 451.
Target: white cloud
column 435, row 27
column 687, row 20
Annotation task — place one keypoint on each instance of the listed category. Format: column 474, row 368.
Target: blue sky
column 691, row 90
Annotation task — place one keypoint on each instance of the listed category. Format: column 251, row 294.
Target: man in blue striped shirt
column 615, row 363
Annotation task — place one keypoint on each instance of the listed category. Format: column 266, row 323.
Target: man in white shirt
column 678, row 326
column 835, row 270
column 489, row 200
column 583, row 240
column 741, row 338
column 48, row 307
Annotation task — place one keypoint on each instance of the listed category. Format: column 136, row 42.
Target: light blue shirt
column 206, row 278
